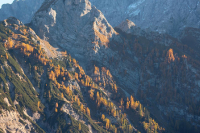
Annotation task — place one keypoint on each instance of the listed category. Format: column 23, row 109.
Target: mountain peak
column 13, row 20
column 70, row 23
column 126, row 25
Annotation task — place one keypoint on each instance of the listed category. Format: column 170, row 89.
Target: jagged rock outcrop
column 164, row 16
column 21, row 9
column 84, row 32
column 129, row 27
column 114, row 10
column 10, row 121
column 126, row 25
column 74, row 25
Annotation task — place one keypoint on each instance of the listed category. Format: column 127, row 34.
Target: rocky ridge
column 163, row 16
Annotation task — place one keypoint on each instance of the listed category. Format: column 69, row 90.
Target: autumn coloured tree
column 78, row 102
column 91, row 92
column 82, row 108
column 115, row 88
column 115, row 130
column 170, row 55
column 56, row 105
column 88, row 111
column 132, row 101
column 52, row 75
column 97, row 95
column 67, row 90
column 38, row 104
column 79, row 126
column 107, row 123
column 58, row 85
column 57, row 71
column 76, row 76
column 49, row 94
column 130, row 128
column 127, row 105
column 9, row 43
column 62, row 96
column 6, row 56
column 121, row 102
column 102, row 117
column 96, row 70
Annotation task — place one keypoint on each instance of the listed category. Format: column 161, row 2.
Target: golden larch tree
column 79, row 127
column 107, row 123
column 102, row 117
column 88, row 111
column 56, row 105
column 6, row 56
column 38, row 104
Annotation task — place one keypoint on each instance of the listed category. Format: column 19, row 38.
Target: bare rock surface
column 73, row 25
column 10, row 122
column 167, row 16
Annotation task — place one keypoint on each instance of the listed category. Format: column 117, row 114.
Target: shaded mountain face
column 163, row 16
column 168, row 71
column 21, row 9
column 190, row 36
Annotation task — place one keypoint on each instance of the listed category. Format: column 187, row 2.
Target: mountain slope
column 17, row 92
column 163, row 16
column 168, row 73
column 67, row 100
column 138, row 61
column 21, row 9
column 80, row 28
column 89, row 77
column 44, row 107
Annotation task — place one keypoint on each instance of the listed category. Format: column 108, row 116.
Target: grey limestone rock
column 20, row 9
column 74, row 25
column 163, row 16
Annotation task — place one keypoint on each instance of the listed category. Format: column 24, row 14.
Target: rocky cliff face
column 10, row 121
column 21, row 9
column 162, row 16
column 83, row 30
column 129, row 27
column 74, row 25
